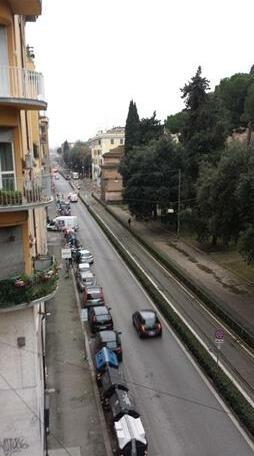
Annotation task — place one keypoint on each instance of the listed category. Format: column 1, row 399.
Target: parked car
column 147, row 323
column 69, row 222
column 93, row 296
column 84, row 279
column 68, row 177
column 111, row 340
column 103, row 359
column 51, row 226
column 131, row 437
column 85, row 256
column 83, row 267
column 100, row 318
column 73, row 197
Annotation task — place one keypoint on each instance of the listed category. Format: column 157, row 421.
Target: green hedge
column 218, row 378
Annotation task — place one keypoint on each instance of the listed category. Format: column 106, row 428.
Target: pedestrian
column 129, row 222
column 67, row 267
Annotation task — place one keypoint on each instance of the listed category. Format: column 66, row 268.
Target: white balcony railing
column 21, row 83
column 25, row 191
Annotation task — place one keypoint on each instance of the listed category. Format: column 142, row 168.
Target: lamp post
column 178, row 203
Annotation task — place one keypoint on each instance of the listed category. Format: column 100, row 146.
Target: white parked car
column 73, row 197
column 83, row 267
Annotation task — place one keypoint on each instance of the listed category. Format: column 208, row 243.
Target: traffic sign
column 83, row 315
column 219, row 334
column 66, row 253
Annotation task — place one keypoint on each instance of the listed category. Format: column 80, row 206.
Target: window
column 121, row 141
column 7, row 178
column 112, row 141
column 7, row 173
column 99, row 142
column 36, row 151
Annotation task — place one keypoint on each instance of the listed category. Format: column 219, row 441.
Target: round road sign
column 219, row 334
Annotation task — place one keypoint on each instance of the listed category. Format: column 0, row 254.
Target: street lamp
column 179, row 203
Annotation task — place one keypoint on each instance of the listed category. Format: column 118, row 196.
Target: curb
column 102, row 419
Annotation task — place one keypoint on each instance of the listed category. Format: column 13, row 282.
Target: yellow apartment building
column 103, row 142
column 27, row 273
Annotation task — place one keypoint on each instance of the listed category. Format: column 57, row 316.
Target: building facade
column 27, row 274
column 102, row 143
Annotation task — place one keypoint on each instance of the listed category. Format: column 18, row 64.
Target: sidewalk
column 75, row 427
column 235, row 293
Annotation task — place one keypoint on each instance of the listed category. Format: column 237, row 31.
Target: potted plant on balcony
column 10, row 197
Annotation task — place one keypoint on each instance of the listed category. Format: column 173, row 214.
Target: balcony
column 21, row 88
column 26, row 7
column 19, row 194
column 23, row 291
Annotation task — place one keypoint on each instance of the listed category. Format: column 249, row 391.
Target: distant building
column 111, row 179
column 102, row 143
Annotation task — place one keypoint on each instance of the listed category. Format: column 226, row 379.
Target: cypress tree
column 132, row 128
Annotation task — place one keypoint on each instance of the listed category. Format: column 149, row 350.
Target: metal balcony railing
column 21, row 83
column 25, row 191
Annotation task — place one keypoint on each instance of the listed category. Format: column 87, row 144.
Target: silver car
column 84, row 279
column 86, row 257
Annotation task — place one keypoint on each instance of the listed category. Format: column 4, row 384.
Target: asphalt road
column 180, row 413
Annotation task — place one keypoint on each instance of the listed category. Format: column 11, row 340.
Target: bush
column 25, row 289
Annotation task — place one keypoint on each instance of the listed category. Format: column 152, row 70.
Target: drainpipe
column 35, row 233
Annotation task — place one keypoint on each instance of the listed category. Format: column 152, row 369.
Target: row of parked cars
column 118, row 404
column 92, row 298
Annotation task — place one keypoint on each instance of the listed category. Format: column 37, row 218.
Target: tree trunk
column 214, row 240
column 250, row 125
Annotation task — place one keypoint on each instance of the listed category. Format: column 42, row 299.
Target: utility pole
column 179, row 203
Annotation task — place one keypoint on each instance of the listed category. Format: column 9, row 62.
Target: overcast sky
column 97, row 55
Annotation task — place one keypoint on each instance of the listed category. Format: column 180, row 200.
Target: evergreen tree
column 175, row 123
column 195, row 92
column 248, row 114
column 150, row 129
column 152, row 177
column 205, row 127
column 66, row 152
column 132, row 128
column 233, row 91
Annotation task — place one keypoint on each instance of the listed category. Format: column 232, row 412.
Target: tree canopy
column 132, row 128
column 233, row 91
column 217, row 186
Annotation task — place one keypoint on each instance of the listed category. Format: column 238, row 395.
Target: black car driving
column 147, row 323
